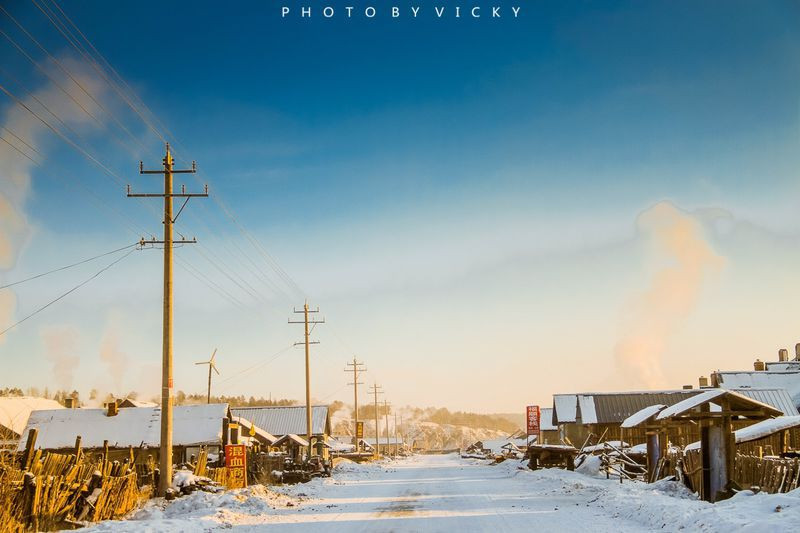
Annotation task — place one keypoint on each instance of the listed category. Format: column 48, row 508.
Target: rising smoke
column 116, row 361
column 61, row 349
column 16, row 170
column 684, row 262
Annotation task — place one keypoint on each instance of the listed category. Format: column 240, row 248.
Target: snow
column 446, row 493
column 606, row 446
column 566, row 407
column 15, row 410
column 640, row 416
column 690, row 403
column 588, row 413
column 132, row 426
column 766, row 428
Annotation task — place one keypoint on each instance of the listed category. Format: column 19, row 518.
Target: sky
column 590, row 196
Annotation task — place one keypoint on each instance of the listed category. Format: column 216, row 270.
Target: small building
column 291, row 420
column 194, row 426
column 788, row 380
column 386, row 445
column 580, row 415
column 549, row 430
column 14, row 413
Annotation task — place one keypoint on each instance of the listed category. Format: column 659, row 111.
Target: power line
column 73, row 289
column 66, row 267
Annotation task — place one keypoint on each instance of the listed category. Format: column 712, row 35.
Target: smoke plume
column 61, row 347
column 115, row 360
column 19, row 128
column 684, row 260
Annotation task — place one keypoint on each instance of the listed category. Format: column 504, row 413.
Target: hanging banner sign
column 533, row 418
column 236, row 465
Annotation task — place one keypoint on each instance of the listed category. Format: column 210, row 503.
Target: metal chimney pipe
column 783, row 355
column 797, row 352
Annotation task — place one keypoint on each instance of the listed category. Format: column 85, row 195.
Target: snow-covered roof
column 291, row 437
column 588, row 413
column 640, row 416
column 713, row 396
column 130, row 402
column 565, row 408
column 546, row 419
column 762, row 429
column 285, row 420
column 193, row 425
column 762, row 380
column 765, row 428
column 496, row 445
column 611, row 407
column 15, row 410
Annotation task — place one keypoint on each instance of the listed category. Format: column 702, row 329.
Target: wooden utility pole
column 305, row 311
column 396, row 444
column 165, row 459
column 386, row 416
column 375, row 391
column 357, row 368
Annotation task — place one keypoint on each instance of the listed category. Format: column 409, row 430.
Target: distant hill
column 433, row 428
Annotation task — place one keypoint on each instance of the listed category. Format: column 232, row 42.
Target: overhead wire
column 66, row 267
column 65, row 294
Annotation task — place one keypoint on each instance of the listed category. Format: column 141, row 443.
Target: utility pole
column 165, row 459
column 305, row 311
column 376, row 390
column 356, row 368
column 386, row 416
column 396, row 444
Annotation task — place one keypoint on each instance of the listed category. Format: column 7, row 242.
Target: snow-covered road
column 447, row 493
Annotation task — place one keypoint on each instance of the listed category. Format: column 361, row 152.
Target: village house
column 134, row 428
column 14, row 413
column 782, row 374
column 578, row 416
column 281, row 421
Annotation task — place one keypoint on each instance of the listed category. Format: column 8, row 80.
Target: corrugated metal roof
column 614, row 408
column 762, row 380
column 192, row 425
column 611, row 407
column 778, row 398
column 286, row 420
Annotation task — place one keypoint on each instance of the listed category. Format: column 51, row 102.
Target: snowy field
column 447, row 493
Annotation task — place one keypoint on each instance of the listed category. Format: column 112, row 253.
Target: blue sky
column 451, row 191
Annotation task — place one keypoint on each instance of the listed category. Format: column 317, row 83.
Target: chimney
column 759, row 365
column 797, row 352
column 112, row 409
column 703, row 382
column 783, row 355
column 687, row 387
column 69, row 403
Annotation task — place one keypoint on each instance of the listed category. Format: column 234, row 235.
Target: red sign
column 533, row 418
column 236, row 465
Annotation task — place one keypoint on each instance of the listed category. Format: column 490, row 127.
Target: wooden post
column 30, row 444
column 78, row 450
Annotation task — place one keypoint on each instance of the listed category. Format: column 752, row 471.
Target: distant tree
column 93, row 394
column 335, row 406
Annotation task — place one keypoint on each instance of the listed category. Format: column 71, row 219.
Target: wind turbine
column 211, row 365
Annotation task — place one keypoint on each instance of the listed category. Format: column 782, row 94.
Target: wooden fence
column 769, row 474
column 58, row 490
